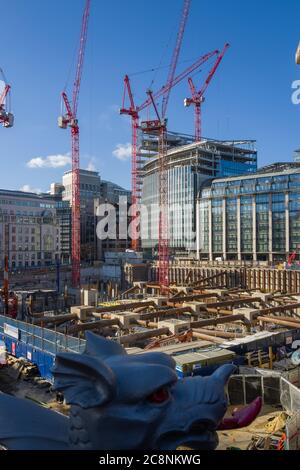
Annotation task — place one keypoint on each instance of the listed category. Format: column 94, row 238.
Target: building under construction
column 189, row 166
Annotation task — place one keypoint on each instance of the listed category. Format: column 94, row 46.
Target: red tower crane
column 69, row 119
column 198, row 96
column 136, row 183
column 7, row 120
column 133, row 111
column 6, row 117
column 163, row 235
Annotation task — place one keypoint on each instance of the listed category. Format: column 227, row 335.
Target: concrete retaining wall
column 268, row 280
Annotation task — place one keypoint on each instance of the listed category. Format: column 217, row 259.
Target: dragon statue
column 119, row 401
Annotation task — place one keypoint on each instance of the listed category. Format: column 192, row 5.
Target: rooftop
column 21, row 194
column 267, row 171
column 84, row 172
column 237, row 150
column 279, row 167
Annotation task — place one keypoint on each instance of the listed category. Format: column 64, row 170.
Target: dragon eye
column 159, row 396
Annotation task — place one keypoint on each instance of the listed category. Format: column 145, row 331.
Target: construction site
column 217, row 282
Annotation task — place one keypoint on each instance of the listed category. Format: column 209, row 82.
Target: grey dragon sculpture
column 119, row 401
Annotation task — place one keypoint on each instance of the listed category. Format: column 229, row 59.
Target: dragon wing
column 25, row 425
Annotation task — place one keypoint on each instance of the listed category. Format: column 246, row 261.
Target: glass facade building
column 182, row 190
column 188, row 167
column 254, row 217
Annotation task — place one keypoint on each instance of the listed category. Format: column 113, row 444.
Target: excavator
column 291, row 261
column 12, row 304
column 291, row 258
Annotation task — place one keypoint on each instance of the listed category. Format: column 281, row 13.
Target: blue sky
column 250, row 96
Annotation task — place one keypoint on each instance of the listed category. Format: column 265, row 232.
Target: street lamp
column 298, row 55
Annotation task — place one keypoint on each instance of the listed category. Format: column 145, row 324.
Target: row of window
column 22, row 202
column 263, row 184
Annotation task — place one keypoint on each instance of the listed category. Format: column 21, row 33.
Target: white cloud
column 123, row 151
column 28, row 189
column 52, row 161
column 91, row 165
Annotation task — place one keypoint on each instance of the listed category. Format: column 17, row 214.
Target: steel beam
column 135, row 337
column 166, row 313
column 220, row 321
column 191, row 297
column 277, row 321
column 55, row 319
column 206, row 337
column 122, row 307
column 279, row 308
column 219, row 333
column 94, row 325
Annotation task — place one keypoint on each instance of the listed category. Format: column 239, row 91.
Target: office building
column 254, row 217
column 29, row 230
column 93, row 191
column 112, row 192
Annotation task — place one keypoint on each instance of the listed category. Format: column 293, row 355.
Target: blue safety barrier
column 36, row 344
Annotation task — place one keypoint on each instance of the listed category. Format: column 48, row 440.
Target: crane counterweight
column 9, row 120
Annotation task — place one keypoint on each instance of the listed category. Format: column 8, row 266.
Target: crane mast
column 7, row 120
column 176, row 52
column 69, row 119
column 163, row 235
column 135, row 173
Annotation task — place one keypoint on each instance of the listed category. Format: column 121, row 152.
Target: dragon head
column 121, row 401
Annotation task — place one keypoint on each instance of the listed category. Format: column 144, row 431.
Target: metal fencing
column 243, row 389
column 43, row 339
column 289, row 396
column 292, row 431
